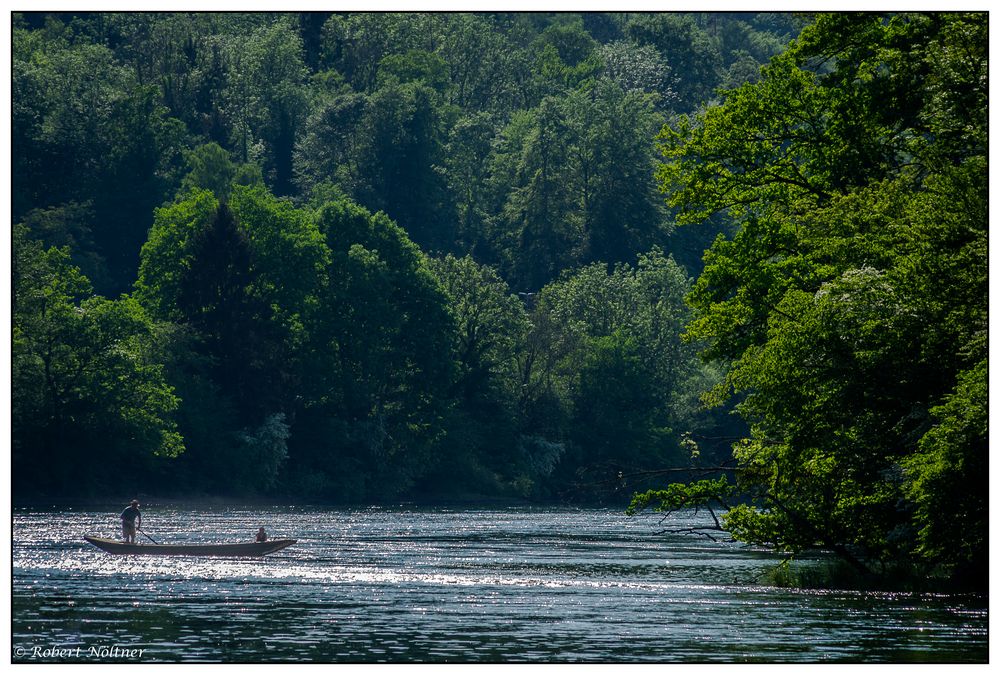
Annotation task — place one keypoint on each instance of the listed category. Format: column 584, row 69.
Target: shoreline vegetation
column 379, row 257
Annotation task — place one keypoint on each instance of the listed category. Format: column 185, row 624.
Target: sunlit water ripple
column 447, row 585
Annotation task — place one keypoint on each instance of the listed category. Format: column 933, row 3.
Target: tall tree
column 267, row 97
column 241, row 275
column 611, row 162
column 88, row 391
column 470, row 141
column 483, row 444
column 577, row 171
column 326, row 151
column 538, row 213
column 489, row 73
column 88, row 133
column 621, row 364
column 238, row 278
column 379, row 353
column 688, row 49
column 399, row 159
column 844, row 166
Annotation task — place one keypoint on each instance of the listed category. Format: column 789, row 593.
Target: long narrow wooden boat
column 228, row 550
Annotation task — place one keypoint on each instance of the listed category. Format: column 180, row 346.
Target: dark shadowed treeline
column 357, row 256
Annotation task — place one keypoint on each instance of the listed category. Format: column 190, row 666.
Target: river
column 435, row 585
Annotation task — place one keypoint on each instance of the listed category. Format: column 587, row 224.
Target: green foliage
column 88, row 132
column 68, row 226
column 678, row 496
column 305, row 344
column 491, row 325
column 325, row 151
column 107, row 107
column 210, row 168
column 355, row 44
column 415, row 66
column 266, row 94
column 266, row 450
column 336, row 318
column 639, row 68
column 537, row 212
column 762, row 149
column 241, row 278
column 470, row 139
column 489, row 70
column 394, row 168
column 617, row 415
column 686, row 48
column 948, row 476
column 565, row 56
column 491, row 322
column 851, row 301
column 572, row 43
column 614, row 363
column 378, row 350
column 578, row 167
column 88, row 392
column 170, row 242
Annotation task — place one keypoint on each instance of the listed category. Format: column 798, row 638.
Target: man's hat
column 135, row 502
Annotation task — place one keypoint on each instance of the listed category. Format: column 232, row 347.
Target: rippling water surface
column 446, row 585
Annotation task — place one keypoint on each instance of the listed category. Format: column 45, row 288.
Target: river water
column 401, row 585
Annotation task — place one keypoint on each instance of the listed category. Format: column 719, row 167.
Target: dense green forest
column 552, row 256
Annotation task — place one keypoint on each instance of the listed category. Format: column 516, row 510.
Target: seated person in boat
column 129, row 517
column 261, row 535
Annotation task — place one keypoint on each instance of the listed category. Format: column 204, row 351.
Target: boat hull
column 249, row 549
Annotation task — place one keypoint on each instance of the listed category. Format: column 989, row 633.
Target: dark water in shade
column 447, row 585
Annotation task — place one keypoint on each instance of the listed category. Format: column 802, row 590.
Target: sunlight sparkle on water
column 507, row 585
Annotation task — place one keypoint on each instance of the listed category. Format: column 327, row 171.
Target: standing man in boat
column 129, row 517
